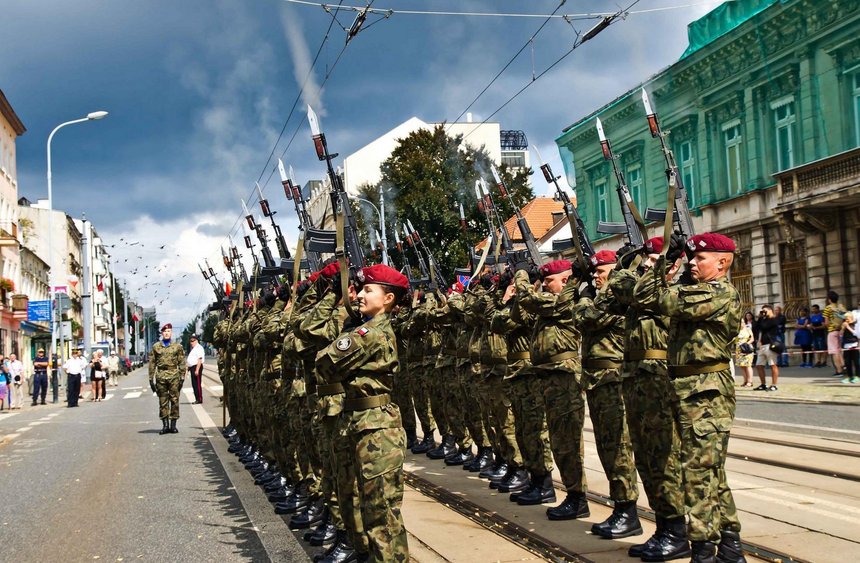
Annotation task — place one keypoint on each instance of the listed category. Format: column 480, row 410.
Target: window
column 732, row 139
column 15, row 343
column 783, row 114
column 855, row 105
column 634, row 182
column 688, row 170
column 514, row 159
column 601, row 200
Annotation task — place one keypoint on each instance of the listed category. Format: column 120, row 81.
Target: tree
column 426, row 179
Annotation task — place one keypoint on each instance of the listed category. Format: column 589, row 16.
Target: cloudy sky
column 199, row 90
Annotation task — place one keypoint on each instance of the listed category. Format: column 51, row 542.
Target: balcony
column 8, row 233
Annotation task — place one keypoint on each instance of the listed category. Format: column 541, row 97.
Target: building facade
column 11, row 312
column 762, row 113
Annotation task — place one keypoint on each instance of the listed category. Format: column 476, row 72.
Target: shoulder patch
column 362, row 331
column 343, row 344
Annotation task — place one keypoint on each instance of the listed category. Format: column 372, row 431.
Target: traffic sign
column 39, row 310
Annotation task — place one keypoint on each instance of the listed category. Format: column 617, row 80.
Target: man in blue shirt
column 40, row 376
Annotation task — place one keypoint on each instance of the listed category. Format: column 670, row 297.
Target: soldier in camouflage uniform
column 364, row 361
column 599, row 319
column 431, row 336
column 400, row 394
column 555, row 364
column 704, row 316
column 166, row 373
column 647, row 400
column 414, row 344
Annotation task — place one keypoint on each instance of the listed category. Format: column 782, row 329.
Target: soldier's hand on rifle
column 336, row 286
column 284, row 292
column 509, row 293
column 626, row 254
column 587, row 292
column 676, row 247
column 152, row 385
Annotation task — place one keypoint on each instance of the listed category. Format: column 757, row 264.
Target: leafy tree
column 425, row 180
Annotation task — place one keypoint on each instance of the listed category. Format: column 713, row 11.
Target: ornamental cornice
column 632, row 152
column 778, row 86
column 730, row 109
column 684, row 129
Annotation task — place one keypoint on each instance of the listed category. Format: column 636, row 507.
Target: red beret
column 382, row 274
column 709, row 242
column 604, row 257
column 313, row 277
column 555, row 267
column 458, row 287
column 654, row 245
column 166, row 326
column 329, row 271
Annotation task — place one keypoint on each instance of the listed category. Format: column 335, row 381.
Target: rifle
column 236, row 258
column 287, row 263
column 425, row 272
column 681, row 213
column 484, row 206
column 213, row 281
column 633, row 224
column 532, row 250
column 268, row 259
column 294, row 193
column 413, row 283
column 437, row 280
column 579, row 236
column 250, row 245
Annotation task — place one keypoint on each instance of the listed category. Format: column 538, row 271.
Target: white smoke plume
column 302, row 61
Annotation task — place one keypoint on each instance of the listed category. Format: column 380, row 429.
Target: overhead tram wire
column 607, row 21
column 508, row 64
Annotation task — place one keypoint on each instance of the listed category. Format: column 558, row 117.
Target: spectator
column 745, row 351
column 97, row 372
column 834, row 314
column 782, row 359
column 113, row 367
column 803, row 337
column 769, row 347
column 194, row 362
column 819, row 336
column 4, row 385
column 40, row 377
column 74, row 368
column 850, row 352
column 16, row 373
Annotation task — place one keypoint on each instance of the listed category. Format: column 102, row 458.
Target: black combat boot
column 313, row 514
column 424, row 445
column 703, row 552
column 228, row 430
column 295, row 502
column 165, row 427
column 575, row 505
column 410, row 439
column 460, row 457
column 342, row 552
column 283, row 487
column 730, row 549
column 671, row 542
column 249, row 457
column 497, row 470
column 515, row 481
column 236, row 446
column 271, row 475
column 447, row 447
column 173, row 429
column 324, row 534
column 540, row 491
column 623, row 523
column 484, row 460
column 640, row 548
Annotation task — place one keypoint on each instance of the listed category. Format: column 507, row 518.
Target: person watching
column 769, row 347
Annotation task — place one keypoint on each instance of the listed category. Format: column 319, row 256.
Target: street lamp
column 92, row 116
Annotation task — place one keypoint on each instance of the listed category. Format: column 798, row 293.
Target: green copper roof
column 721, row 20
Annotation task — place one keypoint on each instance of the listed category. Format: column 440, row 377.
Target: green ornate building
column 763, row 110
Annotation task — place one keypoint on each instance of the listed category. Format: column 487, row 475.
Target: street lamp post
column 380, row 215
column 90, row 117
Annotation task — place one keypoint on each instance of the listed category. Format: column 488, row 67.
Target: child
column 365, row 361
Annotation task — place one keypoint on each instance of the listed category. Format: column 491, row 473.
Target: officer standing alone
column 166, row 373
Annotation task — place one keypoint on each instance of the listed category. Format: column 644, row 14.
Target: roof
column 538, row 214
column 10, row 115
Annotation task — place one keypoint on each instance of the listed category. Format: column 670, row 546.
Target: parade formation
column 331, row 364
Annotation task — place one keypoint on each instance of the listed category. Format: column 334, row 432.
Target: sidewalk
column 813, row 385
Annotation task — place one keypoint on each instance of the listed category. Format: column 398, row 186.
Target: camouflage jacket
column 431, row 335
column 517, row 329
column 319, row 327
column 602, row 329
column 166, row 362
column 643, row 329
column 442, row 317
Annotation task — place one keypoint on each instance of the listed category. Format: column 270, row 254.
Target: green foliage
column 425, row 180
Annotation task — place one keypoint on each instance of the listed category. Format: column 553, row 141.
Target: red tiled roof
column 538, row 214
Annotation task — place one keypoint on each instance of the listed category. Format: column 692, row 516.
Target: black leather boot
column 516, row 481
column 236, row 446
column 342, row 552
column 259, row 468
column 460, row 457
column 272, row 475
column 638, row 549
column 496, row 481
column 575, row 505
column 249, row 457
column 540, row 491
column 497, row 470
column 173, row 429
column 165, row 428
column 324, row 534
column 295, row 502
column 444, row 449
column 313, row 514
column 730, row 549
column 424, row 445
column 671, row 542
column 281, row 486
column 410, row 439
column 703, row 552
column 623, row 523
column 483, row 461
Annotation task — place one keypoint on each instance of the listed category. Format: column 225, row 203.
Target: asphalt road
column 99, row 483
column 824, row 420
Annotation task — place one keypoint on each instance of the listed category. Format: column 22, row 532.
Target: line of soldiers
column 503, row 370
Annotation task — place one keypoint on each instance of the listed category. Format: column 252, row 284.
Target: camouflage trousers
column 704, row 422
column 471, row 411
column 564, row 403
column 310, row 431
column 372, row 466
column 401, row 396
column 654, row 435
column 482, row 393
column 433, row 383
column 530, row 423
column 285, row 440
column 297, row 406
column 455, row 405
column 420, row 399
column 498, row 395
column 328, row 484
column 606, row 408
column 167, row 389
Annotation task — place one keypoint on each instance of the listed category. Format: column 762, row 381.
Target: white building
column 99, row 283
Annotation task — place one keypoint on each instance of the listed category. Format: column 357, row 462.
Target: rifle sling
column 576, row 244
column 480, row 267
column 341, row 258
column 670, row 214
column 300, row 247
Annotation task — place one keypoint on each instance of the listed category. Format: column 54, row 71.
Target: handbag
column 777, row 347
column 99, row 374
column 746, row 348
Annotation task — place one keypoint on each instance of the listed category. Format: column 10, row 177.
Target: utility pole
column 125, row 340
column 86, row 296
column 113, row 307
